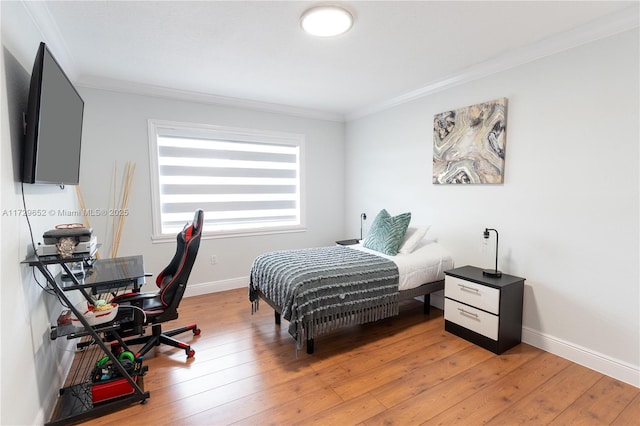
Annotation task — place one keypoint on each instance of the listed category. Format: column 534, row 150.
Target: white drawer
column 472, row 319
column 478, row 295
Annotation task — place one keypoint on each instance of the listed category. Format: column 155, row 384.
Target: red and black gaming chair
column 163, row 306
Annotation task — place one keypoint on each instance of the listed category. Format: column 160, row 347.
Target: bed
column 319, row 290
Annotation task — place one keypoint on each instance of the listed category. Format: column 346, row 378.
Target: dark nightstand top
column 348, row 242
column 472, row 273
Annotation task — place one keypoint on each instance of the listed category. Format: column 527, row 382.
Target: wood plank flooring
column 404, row 370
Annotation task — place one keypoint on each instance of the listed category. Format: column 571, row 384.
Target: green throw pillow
column 387, row 232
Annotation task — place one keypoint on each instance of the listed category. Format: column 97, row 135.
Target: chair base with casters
column 159, row 337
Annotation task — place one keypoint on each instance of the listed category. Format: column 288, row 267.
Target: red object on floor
column 111, row 389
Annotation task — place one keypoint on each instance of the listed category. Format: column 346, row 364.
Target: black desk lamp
column 492, row 272
column 363, row 217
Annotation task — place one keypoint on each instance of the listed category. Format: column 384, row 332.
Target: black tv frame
column 33, row 157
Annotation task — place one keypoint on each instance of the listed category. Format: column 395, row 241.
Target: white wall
column 115, row 130
column 32, row 366
column 567, row 212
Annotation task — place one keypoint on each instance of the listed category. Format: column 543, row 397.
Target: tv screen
column 54, row 125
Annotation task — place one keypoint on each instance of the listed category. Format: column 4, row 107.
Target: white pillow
column 412, row 237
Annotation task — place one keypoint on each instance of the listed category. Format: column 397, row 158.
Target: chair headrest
column 195, row 228
column 198, row 219
column 188, row 242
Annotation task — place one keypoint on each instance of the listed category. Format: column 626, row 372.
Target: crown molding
column 205, row 98
column 127, row 87
column 50, row 32
column 611, row 25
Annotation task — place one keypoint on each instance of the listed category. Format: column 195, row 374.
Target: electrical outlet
column 214, row 259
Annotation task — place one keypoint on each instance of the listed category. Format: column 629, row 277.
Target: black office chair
column 163, row 306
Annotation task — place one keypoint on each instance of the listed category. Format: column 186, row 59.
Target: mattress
column 426, row 263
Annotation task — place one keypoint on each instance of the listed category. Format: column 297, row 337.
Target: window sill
column 159, row 239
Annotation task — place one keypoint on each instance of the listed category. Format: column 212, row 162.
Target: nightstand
column 347, row 242
column 483, row 310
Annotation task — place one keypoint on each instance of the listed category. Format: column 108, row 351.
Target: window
column 246, row 181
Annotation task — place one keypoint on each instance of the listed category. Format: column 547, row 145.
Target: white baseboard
column 216, row 286
column 586, row 357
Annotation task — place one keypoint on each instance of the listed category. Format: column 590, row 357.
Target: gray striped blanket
column 321, row 289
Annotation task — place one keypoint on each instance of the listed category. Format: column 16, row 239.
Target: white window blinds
column 244, row 180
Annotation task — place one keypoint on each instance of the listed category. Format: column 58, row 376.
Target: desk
column 90, row 397
column 103, row 274
column 111, row 274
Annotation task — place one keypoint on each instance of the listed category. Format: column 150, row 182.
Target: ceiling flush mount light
column 326, row 21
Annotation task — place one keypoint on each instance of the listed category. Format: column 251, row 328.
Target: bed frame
column 422, row 290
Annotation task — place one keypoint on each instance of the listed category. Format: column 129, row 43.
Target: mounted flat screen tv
column 53, row 125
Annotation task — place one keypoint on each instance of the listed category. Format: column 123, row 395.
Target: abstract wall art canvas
column 469, row 144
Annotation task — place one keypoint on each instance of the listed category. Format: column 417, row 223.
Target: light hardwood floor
column 404, row 370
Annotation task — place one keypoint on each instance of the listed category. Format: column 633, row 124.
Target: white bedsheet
column 425, row 264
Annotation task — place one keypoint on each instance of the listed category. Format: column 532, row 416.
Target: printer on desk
column 66, row 241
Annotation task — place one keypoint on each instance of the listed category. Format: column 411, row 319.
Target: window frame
column 233, row 134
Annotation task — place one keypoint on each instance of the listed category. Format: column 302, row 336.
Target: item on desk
column 77, row 269
column 65, row 317
column 95, row 315
column 89, row 246
column 80, row 234
column 66, row 238
column 66, row 246
column 101, row 305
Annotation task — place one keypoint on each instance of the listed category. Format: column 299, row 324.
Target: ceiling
column 256, row 51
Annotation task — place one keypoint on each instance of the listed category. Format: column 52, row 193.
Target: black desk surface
column 103, row 272
column 115, row 270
